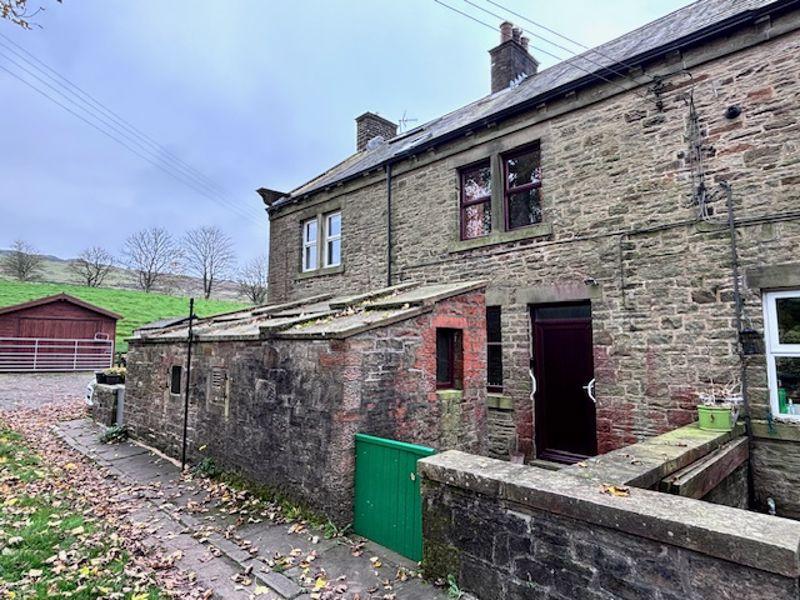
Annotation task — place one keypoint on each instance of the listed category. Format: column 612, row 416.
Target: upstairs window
column 522, row 190
column 476, row 201
column 449, row 359
column 310, row 245
column 494, row 350
column 333, row 239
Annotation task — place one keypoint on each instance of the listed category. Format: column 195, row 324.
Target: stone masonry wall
column 617, row 193
column 288, row 410
column 513, row 532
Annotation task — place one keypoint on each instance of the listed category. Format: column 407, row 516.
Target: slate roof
column 671, row 31
column 320, row 317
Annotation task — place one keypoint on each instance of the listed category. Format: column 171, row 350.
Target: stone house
column 635, row 212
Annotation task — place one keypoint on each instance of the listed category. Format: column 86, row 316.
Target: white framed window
column 782, row 338
column 310, row 244
column 333, row 239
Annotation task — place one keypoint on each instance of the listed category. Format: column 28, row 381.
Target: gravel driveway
column 31, row 390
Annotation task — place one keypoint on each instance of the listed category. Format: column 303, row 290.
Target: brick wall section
column 617, row 193
column 294, row 406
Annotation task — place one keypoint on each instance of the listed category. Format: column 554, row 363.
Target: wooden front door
column 563, row 366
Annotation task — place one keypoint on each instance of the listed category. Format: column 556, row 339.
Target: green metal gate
column 388, row 504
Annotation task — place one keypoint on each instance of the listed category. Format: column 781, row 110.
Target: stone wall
column 286, row 411
column 104, row 403
column 776, row 471
column 508, row 532
column 617, row 206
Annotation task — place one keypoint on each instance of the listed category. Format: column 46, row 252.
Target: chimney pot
column 370, row 126
column 505, row 31
column 511, row 59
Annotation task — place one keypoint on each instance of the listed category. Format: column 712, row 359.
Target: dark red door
column 563, row 365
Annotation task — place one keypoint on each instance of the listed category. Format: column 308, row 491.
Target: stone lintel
column 770, row 544
column 773, row 276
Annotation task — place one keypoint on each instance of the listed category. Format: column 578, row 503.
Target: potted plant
column 719, row 407
column 114, row 375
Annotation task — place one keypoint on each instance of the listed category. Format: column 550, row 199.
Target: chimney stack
column 370, row 126
column 511, row 58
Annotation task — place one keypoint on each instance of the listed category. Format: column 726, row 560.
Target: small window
column 333, row 239
column 522, row 192
column 310, row 245
column 449, row 359
column 175, row 378
column 782, row 331
column 494, row 350
column 476, row 201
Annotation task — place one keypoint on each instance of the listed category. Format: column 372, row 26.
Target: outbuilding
column 330, row 400
column 56, row 333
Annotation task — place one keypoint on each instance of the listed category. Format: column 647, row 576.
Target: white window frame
column 332, row 238
column 306, row 268
column 774, row 349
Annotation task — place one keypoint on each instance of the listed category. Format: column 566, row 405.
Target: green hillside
column 136, row 307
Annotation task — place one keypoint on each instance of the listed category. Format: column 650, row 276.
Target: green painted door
column 388, row 504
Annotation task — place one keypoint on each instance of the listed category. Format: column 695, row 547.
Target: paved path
column 233, row 554
column 32, row 390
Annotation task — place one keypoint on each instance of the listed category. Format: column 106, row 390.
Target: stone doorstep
column 766, row 543
column 278, row 583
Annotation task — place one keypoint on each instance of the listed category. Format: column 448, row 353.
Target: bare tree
column 18, row 12
column 92, row 266
column 151, row 253
column 252, row 280
column 21, row 262
column 208, row 254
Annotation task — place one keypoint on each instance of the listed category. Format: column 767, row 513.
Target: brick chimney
column 369, row 126
column 511, row 59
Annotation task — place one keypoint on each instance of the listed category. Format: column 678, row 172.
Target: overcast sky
column 248, row 93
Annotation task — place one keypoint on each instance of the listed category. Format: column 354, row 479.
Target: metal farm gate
column 388, row 504
column 47, row 354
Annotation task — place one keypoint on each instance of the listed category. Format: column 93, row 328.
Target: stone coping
column 645, row 464
column 763, row 542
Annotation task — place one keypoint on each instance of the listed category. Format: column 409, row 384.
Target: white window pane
column 787, row 372
column 335, row 225
column 788, row 310
column 311, row 231
column 334, row 255
column 310, row 260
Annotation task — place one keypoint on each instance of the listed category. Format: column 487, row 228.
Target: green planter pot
column 716, row 418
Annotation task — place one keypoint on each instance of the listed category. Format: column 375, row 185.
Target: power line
column 569, row 61
column 556, row 33
column 116, row 139
column 78, row 91
column 556, row 44
column 178, row 172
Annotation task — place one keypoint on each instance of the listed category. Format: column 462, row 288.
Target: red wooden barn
column 56, row 333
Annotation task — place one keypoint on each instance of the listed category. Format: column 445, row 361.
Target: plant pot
column 100, row 376
column 716, row 417
column 114, row 379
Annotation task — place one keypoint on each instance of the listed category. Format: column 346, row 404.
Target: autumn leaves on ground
column 63, row 526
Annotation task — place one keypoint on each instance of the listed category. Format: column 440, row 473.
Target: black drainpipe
column 388, row 224
column 737, row 299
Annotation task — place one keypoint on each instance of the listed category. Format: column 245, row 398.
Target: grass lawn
column 136, row 307
column 48, row 547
